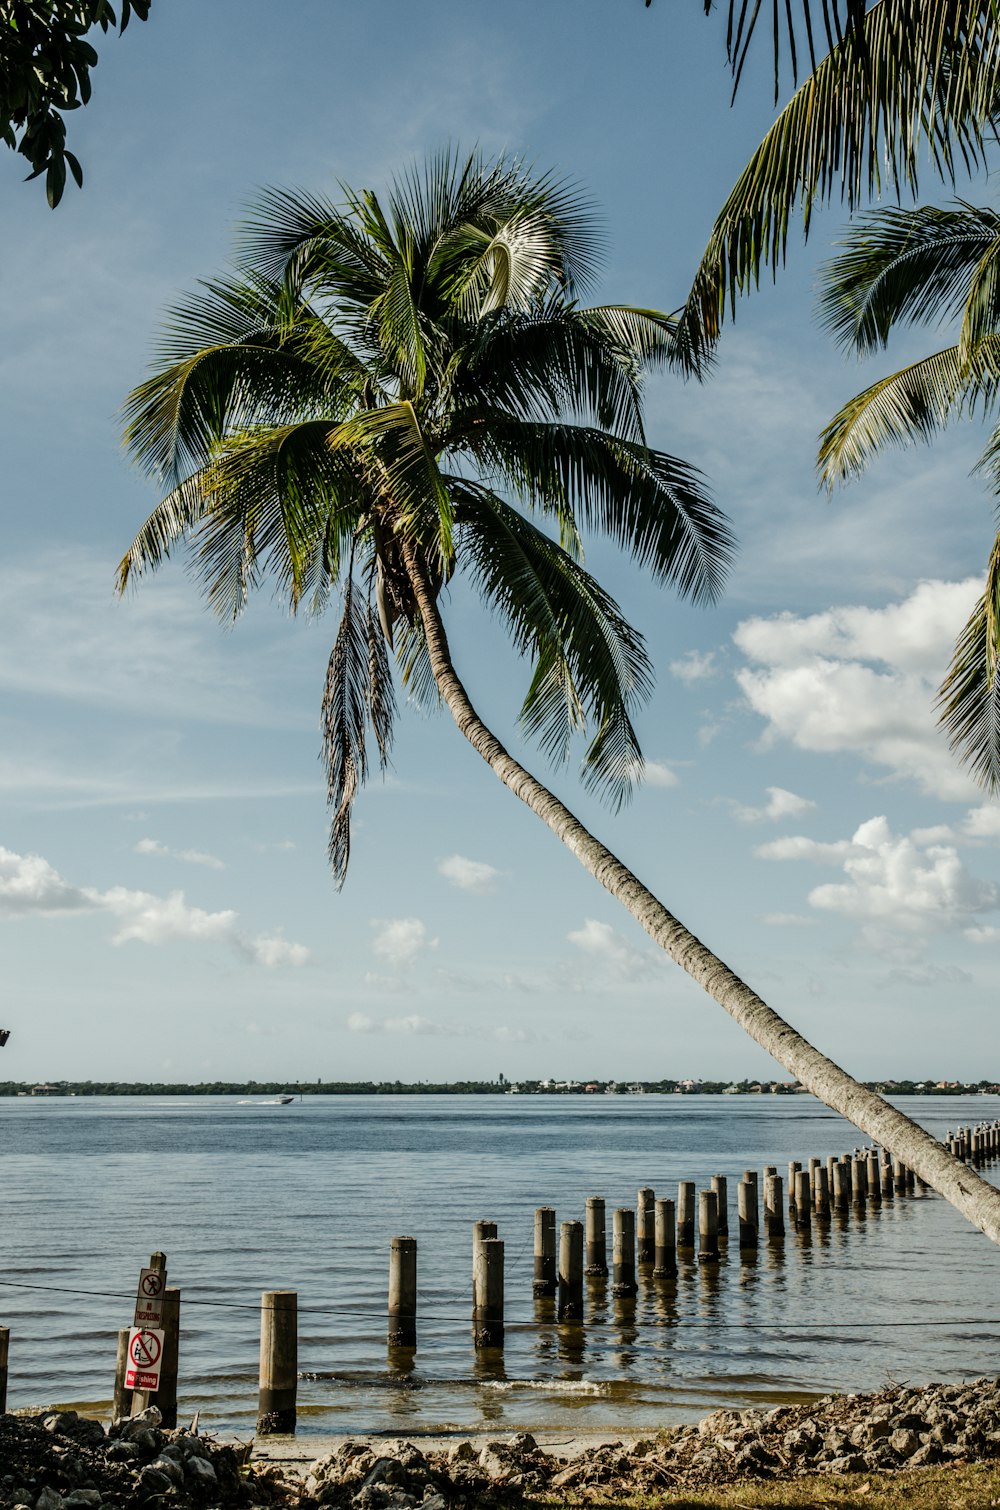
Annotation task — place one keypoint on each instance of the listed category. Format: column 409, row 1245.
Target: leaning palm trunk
column 912, row 1145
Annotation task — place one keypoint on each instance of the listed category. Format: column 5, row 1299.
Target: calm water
column 244, row 1198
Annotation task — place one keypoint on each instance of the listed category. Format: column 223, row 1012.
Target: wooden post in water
column 402, row 1319
column 482, row 1231
column 570, row 1272
column 899, row 1177
column 279, row 1363
column 666, row 1241
column 544, row 1281
column 874, row 1183
column 831, row 1161
column 487, row 1318
column 859, row 1181
column 886, row 1176
column 814, row 1165
column 793, row 1168
column 4, row 1356
column 645, row 1226
column 685, row 1214
column 774, row 1216
column 165, row 1397
column 623, row 1257
column 803, row 1198
column 596, row 1238
column 142, row 1397
column 841, row 1184
column 821, row 1197
column 746, row 1206
column 121, row 1402
column 708, row 1227
column 721, row 1187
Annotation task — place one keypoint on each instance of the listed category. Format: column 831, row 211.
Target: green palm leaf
column 969, row 699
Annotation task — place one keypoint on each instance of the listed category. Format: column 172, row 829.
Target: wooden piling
column 596, row 1255
column 803, row 1198
column 487, row 1318
column 859, row 1181
column 774, row 1216
column 279, row 1363
column 821, row 1194
column 793, row 1168
column 899, row 1177
column 874, row 1183
column 746, row 1205
column 666, row 1241
column 401, row 1330
column 121, row 1402
column 685, row 1214
column 544, row 1281
column 570, row 1307
column 482, row 1231
column 841, row 1184
column 165, row 1396
column 886, row 1177
column 721, row 1187
column 708, row 1227
column 645, row 1226
column 4, row 1357
column 623, row 1252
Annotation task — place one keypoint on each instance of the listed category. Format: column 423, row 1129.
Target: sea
column 245, row 1196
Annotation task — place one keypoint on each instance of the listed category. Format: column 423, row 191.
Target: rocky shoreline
column 62, row 1461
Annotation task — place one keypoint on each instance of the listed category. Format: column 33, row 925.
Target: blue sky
column 165, row 906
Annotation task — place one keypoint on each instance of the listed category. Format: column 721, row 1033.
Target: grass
column 970, row 1486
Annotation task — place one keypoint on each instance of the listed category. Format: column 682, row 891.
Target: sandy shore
column 296, row 1453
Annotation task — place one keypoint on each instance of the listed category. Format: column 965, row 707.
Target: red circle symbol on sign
column 144, row 1350
column 152, row 1284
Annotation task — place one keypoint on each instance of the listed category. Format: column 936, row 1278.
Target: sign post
column 145, row 1343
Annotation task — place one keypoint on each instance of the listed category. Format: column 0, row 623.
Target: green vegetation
column 256, row 1088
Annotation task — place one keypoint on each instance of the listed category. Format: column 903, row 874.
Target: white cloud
column 400, row 940
column 787, row 920
column 862, row 680
column 893, row 882
column 29, row 884
column 982, row 823
column 655, row 773
column 603, row 944
column 798, row 847
column 695, row 666
column 190, row 856
column 780, row 804
column 415, row 1025
column 468, row 875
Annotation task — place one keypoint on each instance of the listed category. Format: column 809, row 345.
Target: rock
column 49, row 1499
column 200, row 1473
column 905, row 1442
column 462, row 1452
column 82, row 1497
column 151, row 1481
column 171, row 1467
column 849, row 1463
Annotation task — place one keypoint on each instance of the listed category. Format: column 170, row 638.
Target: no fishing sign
column 145, row 1354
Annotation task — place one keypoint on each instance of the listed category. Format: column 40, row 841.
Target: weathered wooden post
column 813, row 1166
column 746, row 1205
column 821, row 1198
column 623, row 1252
column 142, row 1397
column 666, row 1241
column 165, row 1395
column 279, row 1363
column 721, row 1187
column 596, row 1237
column 4, row 1357
column 487, row 1318
column 841, row 1184
column 708, row 1227
column 402, row 1318
column 803, row 1198
column 544, row 1282
column 685, row 1214
column 121, row 1402
column 570, row 1306
column 899, row 1177
column 482, row 1231
column 774, row 1215
column 645, row 1226
column 859, row 1181
column 886, row 1176
column 793, row 1168
column 874, row 1183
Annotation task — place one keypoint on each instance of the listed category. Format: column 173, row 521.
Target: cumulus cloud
column 798, row 847
column 29, row 884
column 401, row 941
column 780, row 804
column 608, row 948
column 862, row 680
column 894, row 883
column 468, row 875
column 695, row 666
column 190, row 856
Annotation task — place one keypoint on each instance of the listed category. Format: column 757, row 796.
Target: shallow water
column 244, row 1198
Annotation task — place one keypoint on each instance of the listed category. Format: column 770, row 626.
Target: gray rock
column 122, row 1452
column 49, row 1499
column 924, row 1456
column 170, row 1467
column 433, row 1501
column 462, row 1452
column 849, row 1463
column 82, row 1497
column 905, row 1442
column 151, row 1481
column 384, row 1471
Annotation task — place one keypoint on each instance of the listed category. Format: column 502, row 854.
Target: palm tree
column 927, row 266
column 354, row 409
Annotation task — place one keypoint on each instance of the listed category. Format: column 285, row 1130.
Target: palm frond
column 917, row 265
column 969, row 698
column 358, row 694
column 591, row 667
column 913, row 404
column 171, row 521
column 413, row 482
column 909, row 78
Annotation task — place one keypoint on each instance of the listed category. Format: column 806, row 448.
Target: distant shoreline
column 255, row 1088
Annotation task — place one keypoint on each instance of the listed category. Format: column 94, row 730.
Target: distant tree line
column 467, row 1088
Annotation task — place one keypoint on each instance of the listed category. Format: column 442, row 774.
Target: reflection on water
column 307, row 1196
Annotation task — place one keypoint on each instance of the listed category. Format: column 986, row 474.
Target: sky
column 166, row 911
